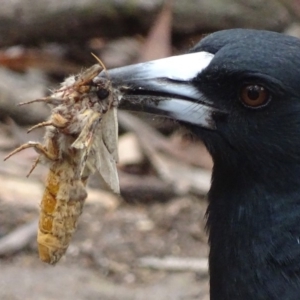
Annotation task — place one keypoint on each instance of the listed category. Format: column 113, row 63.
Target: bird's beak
column 164, row 87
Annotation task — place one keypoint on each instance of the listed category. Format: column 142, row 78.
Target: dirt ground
column 103, row 260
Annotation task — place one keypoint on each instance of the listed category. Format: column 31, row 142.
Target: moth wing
column 99, row 145
column 85, row 140
column 91, row 120
column 106, row 164
column 110, row 132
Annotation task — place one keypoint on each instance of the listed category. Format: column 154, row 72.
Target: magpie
column 238, row 91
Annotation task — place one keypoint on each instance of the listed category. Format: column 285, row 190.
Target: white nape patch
column 190, row 112
column 181, row 67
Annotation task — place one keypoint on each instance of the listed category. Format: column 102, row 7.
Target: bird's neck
column 254, row 233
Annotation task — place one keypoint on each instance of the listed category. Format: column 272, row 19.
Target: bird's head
column 238, row 90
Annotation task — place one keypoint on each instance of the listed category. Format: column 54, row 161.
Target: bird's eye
column 254, row 95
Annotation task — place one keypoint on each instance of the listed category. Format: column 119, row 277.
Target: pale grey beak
column 165, row 87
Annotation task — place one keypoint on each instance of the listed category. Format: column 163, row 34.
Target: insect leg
column 42, row 124
column 57, row 120
column 38, row 147
column 35, row 163
column 50, row 100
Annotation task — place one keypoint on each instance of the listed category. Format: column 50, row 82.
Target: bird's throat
column 252, row 232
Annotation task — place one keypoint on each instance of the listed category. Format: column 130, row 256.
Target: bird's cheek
column 220, row 119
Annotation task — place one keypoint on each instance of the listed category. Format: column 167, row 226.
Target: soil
column 102, row 261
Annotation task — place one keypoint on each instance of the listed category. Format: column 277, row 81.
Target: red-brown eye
column 254, row 95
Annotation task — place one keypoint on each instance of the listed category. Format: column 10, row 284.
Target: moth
column 80, row 139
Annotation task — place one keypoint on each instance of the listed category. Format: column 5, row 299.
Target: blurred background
column 150, row 242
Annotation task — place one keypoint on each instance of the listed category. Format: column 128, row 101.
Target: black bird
column 239, row 91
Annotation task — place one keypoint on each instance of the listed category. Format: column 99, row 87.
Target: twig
column 173, row 170
column 109, row 265
column 146, row 133
column 19, row 238
column 172, row 263
column 144, row 189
